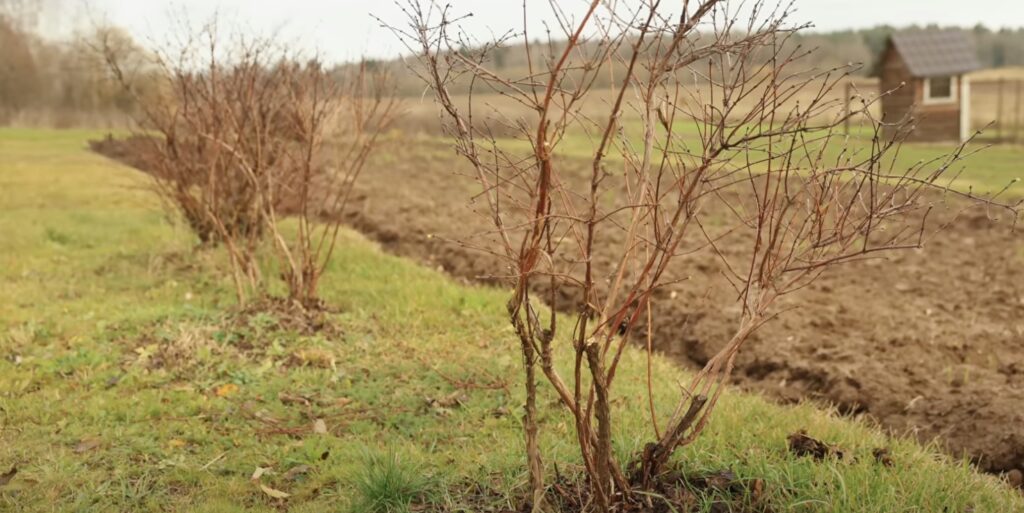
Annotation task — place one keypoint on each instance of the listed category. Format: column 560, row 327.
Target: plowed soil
column 929, row 342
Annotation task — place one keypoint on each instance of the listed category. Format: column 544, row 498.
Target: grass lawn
column 127, row 383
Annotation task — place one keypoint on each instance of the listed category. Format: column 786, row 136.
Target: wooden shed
column 930, row 65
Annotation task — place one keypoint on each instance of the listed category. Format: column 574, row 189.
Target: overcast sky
column 345, row 30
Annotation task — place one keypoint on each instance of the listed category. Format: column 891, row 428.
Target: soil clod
column 883, row 456
column 801, row 444
column 1015, row 478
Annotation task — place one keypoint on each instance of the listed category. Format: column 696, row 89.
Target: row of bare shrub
column 233, row 135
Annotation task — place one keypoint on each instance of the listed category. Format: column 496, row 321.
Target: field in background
column 997, row 106
column 989, row 169
column 422, row 112
column 128, row 383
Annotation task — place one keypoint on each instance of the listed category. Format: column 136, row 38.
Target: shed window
column 939, row 89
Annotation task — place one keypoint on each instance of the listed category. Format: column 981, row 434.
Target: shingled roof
column 932, row 53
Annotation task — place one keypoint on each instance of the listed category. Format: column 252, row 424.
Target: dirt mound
column 932, row 345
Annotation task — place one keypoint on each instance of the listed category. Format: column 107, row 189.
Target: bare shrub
column 234, row 139
column 699, row 123
column 354, row 113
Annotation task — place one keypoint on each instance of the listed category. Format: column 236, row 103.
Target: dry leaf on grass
column 757, row 490
column 258, row 473
column 320, row 427
column 277, row 494
column 265, row 417
column 226, row 390
column 86, row 445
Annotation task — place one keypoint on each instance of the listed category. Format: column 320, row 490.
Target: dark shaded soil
column 929, row 342
column 126, row 151
column 674, row 492
column 802, row 444
column 289, row 316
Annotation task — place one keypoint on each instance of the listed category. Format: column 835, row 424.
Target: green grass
column 987, row 170
column 126, row 386
column 387, row 484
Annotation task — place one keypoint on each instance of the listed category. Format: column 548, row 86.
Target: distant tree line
column 56, row 82
column 67, row 82
column 861, row 47
column 996, row 48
